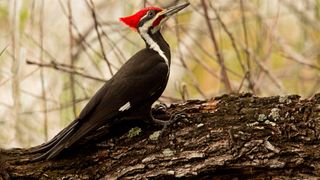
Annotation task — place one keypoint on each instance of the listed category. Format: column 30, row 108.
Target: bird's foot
column 160, row 107
column 174, row 117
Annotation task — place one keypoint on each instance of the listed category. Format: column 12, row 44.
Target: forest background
column 54, row 55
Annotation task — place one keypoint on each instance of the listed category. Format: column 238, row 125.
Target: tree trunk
column 226, row 137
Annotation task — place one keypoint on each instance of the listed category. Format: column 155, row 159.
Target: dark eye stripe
column 146, row 17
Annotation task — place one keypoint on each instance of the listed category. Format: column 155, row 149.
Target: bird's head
column 151, row 19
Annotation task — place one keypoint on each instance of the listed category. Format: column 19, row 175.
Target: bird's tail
column 45, row 147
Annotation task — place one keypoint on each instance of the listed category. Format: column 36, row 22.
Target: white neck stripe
column 153, row 45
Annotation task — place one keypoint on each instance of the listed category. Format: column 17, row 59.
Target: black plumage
column 139, row 82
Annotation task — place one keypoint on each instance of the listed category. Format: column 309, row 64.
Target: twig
column 43, row 90
column 245, row 32
column 145, row 3
column 61, row 107
column 205, row 53
column 204, row 65
column 96, row 26
column 113, row 44
column 50, row 56
column 266, row 71
column 79, row 83
column 35, row 95
column 60, row 68
column 183, row 91
column 15, row 70
column 304, row 16
column 290, row 54
column 242, row 82
column 184, row 64
column 82, row 42
column 72, row 59
column 224, row 74
column 4, row 49
column 232, row 39
column 22, row 79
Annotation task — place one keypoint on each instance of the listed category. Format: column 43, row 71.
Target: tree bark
column 232, row 136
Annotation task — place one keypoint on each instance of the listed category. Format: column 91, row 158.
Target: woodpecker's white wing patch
column 125, row 107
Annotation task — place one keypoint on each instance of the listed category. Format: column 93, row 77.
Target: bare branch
column 43, row 90
column 224, row 75
column 96, row 26
column 246, row 42
column 56, row 66
column 72, row 59
column 4, row 49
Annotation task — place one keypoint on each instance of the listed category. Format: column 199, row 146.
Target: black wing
column 134, row 85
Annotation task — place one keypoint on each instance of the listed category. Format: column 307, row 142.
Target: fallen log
column 231, row 136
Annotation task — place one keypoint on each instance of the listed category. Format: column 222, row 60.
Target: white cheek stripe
column 126, row 106
column 153, row 45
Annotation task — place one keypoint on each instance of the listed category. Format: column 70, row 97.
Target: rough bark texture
column 225, row 137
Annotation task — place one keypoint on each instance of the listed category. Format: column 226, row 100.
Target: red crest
column 133, row 20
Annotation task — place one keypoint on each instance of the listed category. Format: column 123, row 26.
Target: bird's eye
column 151, row 13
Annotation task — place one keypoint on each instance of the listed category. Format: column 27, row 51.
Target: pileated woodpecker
column 131, row 91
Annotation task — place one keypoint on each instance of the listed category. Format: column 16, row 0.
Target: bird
column 131, row 92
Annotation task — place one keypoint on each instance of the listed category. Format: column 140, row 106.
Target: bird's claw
column 174, row 117
column 177, row 116
column 160, row 107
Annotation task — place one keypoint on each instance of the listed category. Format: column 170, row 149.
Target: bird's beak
column 165, row 14
column 174, row 9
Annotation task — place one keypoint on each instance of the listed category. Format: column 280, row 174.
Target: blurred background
column 54, row 55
